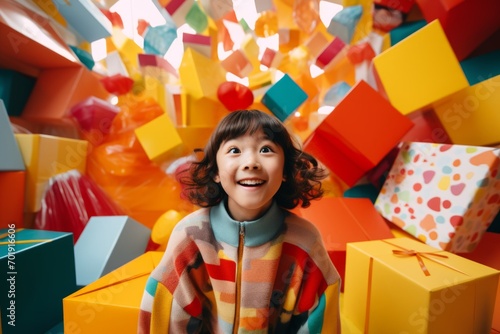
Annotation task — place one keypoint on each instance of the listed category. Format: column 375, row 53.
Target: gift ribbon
column 401, row 251
column 419, row 255
column 6, row 234
column 18, row 242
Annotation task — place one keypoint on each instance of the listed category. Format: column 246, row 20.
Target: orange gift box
column 12, row 185
column 29, row 43
column 31, row 46
column 58, row 90
column 349, row 141
column 111, row 303
column 341, row 220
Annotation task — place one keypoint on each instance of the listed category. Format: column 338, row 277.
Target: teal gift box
column 284, row 97
column 37, row 271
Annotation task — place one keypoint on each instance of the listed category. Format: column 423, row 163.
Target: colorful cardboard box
column 110, row 304
column 342, row 220
column 348, row 141
column 402, row 285
column 46, row 156
column 38, row 271
column 445, row 195
column 106, row 243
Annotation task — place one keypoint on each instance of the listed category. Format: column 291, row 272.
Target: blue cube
column 344, row 23
column 284, row 97
column 106, row 243
column 11, row 160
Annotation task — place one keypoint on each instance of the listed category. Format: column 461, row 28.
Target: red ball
column 234, row 96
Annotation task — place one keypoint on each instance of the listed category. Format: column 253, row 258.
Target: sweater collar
column 257, row 232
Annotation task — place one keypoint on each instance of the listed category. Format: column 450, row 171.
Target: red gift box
column 459, row 19
column 350, row 140
column 341, row 220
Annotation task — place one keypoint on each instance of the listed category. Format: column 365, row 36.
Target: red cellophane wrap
column 69, row 202
column 118, row 163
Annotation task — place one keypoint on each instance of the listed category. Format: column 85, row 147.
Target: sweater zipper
column 238, row 280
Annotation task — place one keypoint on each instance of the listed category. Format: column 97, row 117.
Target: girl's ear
column 217, row 178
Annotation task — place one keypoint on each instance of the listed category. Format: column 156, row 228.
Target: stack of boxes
column 412, row 112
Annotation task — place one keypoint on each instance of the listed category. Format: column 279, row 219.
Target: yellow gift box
column 420, row 70
column 110, row 304
column 200, row 75
column 202, row 112
column 159, row 139
column 46, row 156
column 470, row 116
column 401, row 285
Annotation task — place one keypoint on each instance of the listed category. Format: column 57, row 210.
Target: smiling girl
column 243, row 263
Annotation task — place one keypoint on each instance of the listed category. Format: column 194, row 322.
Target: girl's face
column 251, row 172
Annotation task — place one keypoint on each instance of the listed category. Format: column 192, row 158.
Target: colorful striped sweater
column 271, row 275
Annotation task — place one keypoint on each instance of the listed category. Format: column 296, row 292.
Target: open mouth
column 251, row 183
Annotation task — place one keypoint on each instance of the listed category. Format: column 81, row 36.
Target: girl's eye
column 266, row 149
column 233, row 150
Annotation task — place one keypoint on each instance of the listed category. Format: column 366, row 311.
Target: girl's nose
column 252, row 163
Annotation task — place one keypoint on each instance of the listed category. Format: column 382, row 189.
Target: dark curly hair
column 302, row 172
